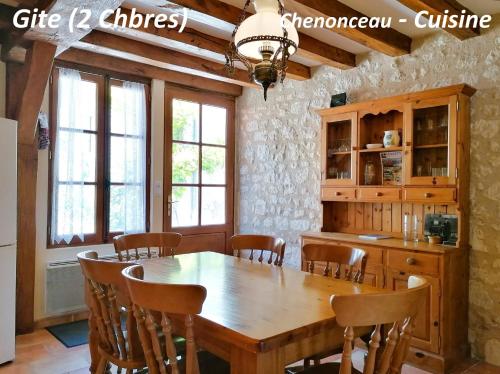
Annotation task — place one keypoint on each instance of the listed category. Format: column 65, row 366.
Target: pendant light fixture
column 263, row 43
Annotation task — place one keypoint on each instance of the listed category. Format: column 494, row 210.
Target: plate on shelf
column 374, row 145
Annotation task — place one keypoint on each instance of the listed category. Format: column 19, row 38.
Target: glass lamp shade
column 262, row 24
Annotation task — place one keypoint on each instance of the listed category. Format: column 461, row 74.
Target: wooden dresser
column 434, row 179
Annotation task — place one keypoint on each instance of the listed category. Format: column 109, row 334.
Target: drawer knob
column 411, row 261
column 338, row 193
column 427, row 195
column 379, row 194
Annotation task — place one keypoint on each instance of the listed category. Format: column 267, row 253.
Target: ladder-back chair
column 154, row 306
column 353, row 260
column 165, row 244
column 258, row 246
column 109, row 302
column 398, row 308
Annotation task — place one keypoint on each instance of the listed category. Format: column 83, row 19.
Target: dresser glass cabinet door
column 431, row 130
column 338, row 155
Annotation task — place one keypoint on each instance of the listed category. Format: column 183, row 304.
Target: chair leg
column 102, row 366
column 307, row 363
column 317, row 361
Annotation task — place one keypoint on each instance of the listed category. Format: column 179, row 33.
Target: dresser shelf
column 431, row 124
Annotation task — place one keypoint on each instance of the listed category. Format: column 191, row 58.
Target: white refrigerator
column 8, row 237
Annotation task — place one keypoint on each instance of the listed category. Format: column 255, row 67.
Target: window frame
column 200, row 144
column 203, row 98
column 104, row 81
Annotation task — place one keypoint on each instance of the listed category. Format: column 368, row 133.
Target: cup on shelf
column 443, row 122
column 410, row 227
column 419, row 170
column 414, row 228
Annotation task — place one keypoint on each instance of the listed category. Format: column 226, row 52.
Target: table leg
column 245, row 362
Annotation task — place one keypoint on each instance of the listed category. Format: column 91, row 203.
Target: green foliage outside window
column 186, row 165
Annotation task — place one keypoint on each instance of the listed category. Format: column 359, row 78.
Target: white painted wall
column 45, row 255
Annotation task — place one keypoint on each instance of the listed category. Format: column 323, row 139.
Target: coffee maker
column 443, row 225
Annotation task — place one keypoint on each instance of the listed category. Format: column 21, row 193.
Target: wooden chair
column 154, row 306
column 353, row 260
column 109, row 302
column 259, row 243
column 398, row 308
column 165, row 242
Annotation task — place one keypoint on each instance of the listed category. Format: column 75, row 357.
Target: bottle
column 369, row 173
column 406, row 227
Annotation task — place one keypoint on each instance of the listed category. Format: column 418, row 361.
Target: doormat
column 71, row 334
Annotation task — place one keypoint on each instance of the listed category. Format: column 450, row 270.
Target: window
column 99, row 168
column 198, row 164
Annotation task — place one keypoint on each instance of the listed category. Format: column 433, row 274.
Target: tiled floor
column 41, row 353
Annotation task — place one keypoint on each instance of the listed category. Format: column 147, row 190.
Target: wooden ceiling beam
column 118, row 46
column 16, row 35
column 74, row 57
column 203, row 43
column 308, row 47
column 388, row 41
column 438, row 7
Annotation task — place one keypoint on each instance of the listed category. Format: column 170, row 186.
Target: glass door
column 430, row 143
column 199, row 168
column 338, row 155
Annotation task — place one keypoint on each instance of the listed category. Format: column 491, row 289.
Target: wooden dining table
column 258, row 317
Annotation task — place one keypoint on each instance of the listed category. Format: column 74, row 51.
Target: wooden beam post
column 72, row 57
column 388, row 41
column 33, row 81
column 308, row 46
column 118, row 46
column 196, row 41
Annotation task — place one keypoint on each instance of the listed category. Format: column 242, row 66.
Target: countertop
column 420, row 246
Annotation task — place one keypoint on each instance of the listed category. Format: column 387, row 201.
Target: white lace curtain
column 134, row 162
column 70, row 162
column 75, row 157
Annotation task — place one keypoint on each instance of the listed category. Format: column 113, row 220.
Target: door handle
column 169, row 205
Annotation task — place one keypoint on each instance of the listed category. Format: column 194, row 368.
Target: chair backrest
column 165, row 242
column 154, row 306
column 352, row 259
column 398, row 308
column 275, row 247
column 108, row 299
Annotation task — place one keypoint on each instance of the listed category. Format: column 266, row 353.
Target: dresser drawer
column 431, row 195
column 378, row 194
column 413, row 262
column 338, row 194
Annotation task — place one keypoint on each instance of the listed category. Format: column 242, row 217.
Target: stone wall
column 279, row 153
